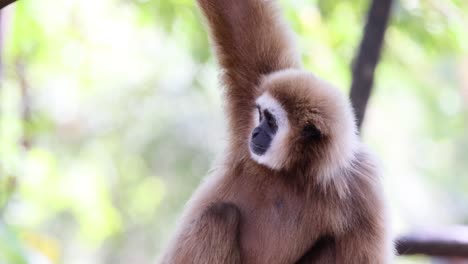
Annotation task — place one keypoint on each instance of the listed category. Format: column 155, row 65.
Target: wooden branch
column 368, row 56
column 447, row 242
column 452, row 242
column 4, row 3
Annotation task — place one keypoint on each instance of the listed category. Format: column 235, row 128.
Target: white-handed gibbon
column 296, row 184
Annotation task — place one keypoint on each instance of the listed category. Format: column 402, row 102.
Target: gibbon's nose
column 260, row 141
column 256, row 132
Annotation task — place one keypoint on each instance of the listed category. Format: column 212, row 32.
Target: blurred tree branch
column 447, row 242
column 4, row 3
column 366, row 60
column 450, row 242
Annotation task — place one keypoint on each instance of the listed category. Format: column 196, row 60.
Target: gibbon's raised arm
column 250, row 40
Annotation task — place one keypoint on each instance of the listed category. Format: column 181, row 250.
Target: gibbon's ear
column 251, row 40
column 311, row 132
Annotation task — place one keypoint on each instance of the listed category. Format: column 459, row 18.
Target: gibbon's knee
column 211, row 238
column 219, row 222
column 224, row 214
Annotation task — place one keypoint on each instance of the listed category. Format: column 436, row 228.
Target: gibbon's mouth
column 257, row 149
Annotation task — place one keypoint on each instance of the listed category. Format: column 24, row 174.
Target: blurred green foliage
column 110, row 117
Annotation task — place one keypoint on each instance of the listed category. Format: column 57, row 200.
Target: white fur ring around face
column 276, row 154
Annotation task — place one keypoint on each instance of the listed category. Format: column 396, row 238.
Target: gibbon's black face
column 264, row 133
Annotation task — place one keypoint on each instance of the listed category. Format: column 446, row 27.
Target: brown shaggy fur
column 324, row 204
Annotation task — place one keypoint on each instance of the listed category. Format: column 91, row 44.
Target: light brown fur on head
column 310, row 101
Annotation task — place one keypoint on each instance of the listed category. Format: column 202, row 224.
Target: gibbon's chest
column 272, row 220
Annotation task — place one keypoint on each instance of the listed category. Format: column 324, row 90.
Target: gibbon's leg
column 250, row 40
column 212, row 238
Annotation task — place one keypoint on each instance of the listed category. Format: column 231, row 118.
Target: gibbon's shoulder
column 364, row 188
column 366, row 165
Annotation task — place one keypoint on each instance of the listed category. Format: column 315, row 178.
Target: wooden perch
column 368, row 56
column 443, row 242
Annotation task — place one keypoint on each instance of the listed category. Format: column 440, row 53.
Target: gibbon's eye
column 263, row 134
column 311, row 132
column 270, row 120
column 259, row 113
